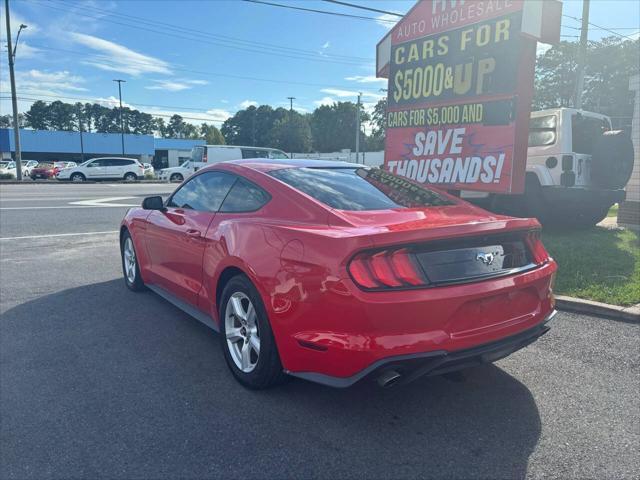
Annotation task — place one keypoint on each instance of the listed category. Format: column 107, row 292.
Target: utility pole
column 582, row 55
column 291, row 99
column 358, row 129
column 81, row 139
column 121, row 123
column 11, row 51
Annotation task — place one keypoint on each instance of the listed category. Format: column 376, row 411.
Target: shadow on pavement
column 100, row 382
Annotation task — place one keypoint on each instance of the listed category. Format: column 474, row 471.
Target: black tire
column 176, row 177
column 268, row 370
column 33, row 178
column 130, row 177
column 612, row 160
column 136, row 284
column 77, row 177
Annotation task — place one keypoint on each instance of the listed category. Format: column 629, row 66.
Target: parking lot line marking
column 104, row 202
column 69, row 206
column 58, row 235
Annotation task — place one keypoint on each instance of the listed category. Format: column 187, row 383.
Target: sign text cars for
column 459, row 94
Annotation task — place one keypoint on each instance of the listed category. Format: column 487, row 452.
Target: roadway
column 97, row 381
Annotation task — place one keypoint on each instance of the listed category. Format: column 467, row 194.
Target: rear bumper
column 417, row 365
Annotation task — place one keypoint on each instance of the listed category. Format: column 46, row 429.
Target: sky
column 206, row 59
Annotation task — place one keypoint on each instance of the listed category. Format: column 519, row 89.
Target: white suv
column 577, row 167
column 105, row 168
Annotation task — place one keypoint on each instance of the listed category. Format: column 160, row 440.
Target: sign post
column 460, row 89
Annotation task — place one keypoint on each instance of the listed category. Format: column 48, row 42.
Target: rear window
column 359, row 188
column 244, row 197
column 542, row 131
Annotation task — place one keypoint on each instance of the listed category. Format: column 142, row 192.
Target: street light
column 121, row 123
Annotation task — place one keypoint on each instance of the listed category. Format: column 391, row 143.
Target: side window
column 197, row 154
column 110, row 162
column 204, row 192
column 95, row 163
column 277, row 154
column 244, row 197
column 250, row 153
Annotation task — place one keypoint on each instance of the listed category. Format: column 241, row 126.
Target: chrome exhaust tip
column 388, row 378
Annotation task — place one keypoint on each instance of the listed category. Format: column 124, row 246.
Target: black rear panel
column 476, row 258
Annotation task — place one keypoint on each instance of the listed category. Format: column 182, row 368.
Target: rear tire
column 246, row 337
column 176, row 178
column 130, row 177
column 77, row 177
column 130, row 267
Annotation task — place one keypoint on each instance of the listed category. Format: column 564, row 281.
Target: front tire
column 176, row 178
column 130, row 267
column 247, row 340
column 77, row 177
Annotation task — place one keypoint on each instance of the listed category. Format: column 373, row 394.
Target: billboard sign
column 459, row 93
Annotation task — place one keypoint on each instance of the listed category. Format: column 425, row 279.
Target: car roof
column 266, row 149
column 268, row 165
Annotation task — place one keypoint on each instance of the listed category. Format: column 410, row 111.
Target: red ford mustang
column 334, row 272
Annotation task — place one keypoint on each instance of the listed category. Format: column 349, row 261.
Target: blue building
column 49, row 145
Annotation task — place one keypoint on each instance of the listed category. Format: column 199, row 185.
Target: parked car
column 334, row 272
column 44, row 170
column 577, row 168
column 177, row 174
column 104, row 168
column 9, row 166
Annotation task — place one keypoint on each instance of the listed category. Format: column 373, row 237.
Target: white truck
column 577, row 168
column 205, row 155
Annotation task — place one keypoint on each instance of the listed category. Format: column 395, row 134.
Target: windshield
column 5, row 164
column 359, row 188
column 277, row 154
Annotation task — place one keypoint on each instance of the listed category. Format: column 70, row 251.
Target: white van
column 204, row 155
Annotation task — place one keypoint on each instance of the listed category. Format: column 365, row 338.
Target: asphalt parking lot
column 97, row 381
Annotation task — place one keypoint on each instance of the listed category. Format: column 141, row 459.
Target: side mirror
column 153, row 203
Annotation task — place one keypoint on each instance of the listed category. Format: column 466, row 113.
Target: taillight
column 204, row 157
column 539, row 253
column 387, row 269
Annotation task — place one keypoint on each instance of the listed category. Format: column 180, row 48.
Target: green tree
column 211, row 134
column 291, row 133
column 609, row 65
column 333, row 127
column 252, row 125
column 37, row 117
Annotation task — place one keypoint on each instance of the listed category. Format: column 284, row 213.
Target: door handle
column 194, row 233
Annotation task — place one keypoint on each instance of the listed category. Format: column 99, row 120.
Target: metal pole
column 582, row 56
column 358, row 129
column 121, row 122
column 291, row 99
column 81, row 139
column 14, row 99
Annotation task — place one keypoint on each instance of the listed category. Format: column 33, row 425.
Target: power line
column 104, row 100
column 212, row 35
column 205, row 73
column 364, row 8
column 313, row 10
column 295, row 56
column 599, row 27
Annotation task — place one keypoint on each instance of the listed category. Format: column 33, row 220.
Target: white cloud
column 326, row 45
column 175, row 85
column 118, row 58
column 38, row 82
column 325, row 101
column 350, row 93
column 16, row 21
column 248, row 103
column 26, row 51
column 366, row 79
column 384, row 20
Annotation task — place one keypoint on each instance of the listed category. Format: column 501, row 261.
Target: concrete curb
column 578, row 305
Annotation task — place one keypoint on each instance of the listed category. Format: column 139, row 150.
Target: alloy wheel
column 243, row 336
column 129, row 260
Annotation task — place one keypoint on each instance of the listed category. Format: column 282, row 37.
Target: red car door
column 175, row 238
